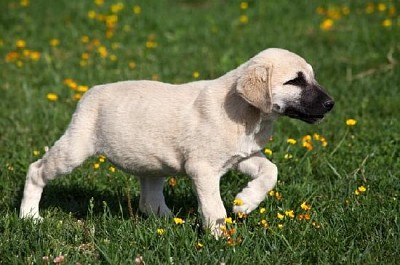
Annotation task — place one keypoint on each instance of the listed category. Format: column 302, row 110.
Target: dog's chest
column 254, row 142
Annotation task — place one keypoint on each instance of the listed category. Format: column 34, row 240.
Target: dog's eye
column 298, row 81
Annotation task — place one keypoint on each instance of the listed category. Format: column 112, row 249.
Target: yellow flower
column 228, row 220
column 132, row 65
column 345, row 10
column 196, row 74
column 178, row 221
column 262, row 210
column 264, row 223
column 268, row 152
column 102, row 51
column 20, row 44
column 288, row 156
column 96, row 166
column 289, row 213
column 151, row 44
column 305, row 206
column 381, row 7
column 82, row 89
column 308, row 146
column 351, row 122
column 137, row 10
column 280, row 216
column 52, row 96
column 102, row 159
column 244, row 19
column 24, row 3
column 387, row 23
column 356, row 192
column 85, row 39
column 370, row 8
column 278, row 195
column 91, row 14
column 327, row 24
column 242, row 215
column 35, row 55
column 271, row 193
column 362, row 189
column 36, row 152
column 115, row 8
column 244, row 5
column 280, row 226
column 160, row 231
column 291, row 141
column 199, row 245
column 112, row 169
column 238, row 202
column 172, row 182
column 54, row 42
column 99, row 2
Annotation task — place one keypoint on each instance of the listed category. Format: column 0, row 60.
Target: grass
column 354, row 48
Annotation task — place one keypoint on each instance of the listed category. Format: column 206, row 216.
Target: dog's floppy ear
column 255, row 87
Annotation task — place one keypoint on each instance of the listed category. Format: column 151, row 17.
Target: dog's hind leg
column 151, row 196
column 73, row 148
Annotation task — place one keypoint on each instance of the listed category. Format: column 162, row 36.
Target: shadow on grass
column 79, row 200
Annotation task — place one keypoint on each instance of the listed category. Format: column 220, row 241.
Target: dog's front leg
column 206, row 184
column 264, row 176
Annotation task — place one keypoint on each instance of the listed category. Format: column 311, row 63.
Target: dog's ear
column 255, row 87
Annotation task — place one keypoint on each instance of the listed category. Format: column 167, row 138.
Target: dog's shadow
column 81, row 202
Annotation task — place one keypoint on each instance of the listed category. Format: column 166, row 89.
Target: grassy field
column 337, row 199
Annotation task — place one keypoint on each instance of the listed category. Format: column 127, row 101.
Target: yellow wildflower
column 151, row 44
column 199, row 245
column 196, row 74
column 289, row 213
column 262, row 210
column 85, row 39
column 137, row 10
column 291, row 141
column 387, row 23
column 238, row 202
column 370, row 8
column 102, row 51
column 96, row 166
column 351, row 122
column 288, row 156
column 102, row 159
column 280, row 216
column 268, row 152
column 264, row 223
column 112, row 169
column 178, row 221
column 36, row 152
column 271, row 193
column 54, row 42
column 91, row 14
column 99, row 2
column 52, row 96
column 280, row 226
column 241, row 215
column 362, row 189
column 381, row 7
column 305, row 206
column 82, row 88
column 308, row 146
column 172, row 182
column 228, row 220
column 115, row 8
column 35, row 55
column 160, row 231
column 20, row 44
column 132, row 65
column 244, row 19
column 24, row 3
column 244, row 5
column 327, row 24
column 278, row 195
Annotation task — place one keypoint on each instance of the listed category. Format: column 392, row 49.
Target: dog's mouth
column 300, row 115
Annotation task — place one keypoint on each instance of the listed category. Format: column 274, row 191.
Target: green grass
column 87, row 217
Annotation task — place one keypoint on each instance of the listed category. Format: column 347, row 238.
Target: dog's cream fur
column 202, row 129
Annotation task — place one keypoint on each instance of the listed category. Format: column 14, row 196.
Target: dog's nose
column 329, row 104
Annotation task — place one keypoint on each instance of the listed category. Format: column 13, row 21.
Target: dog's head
column 281, row 82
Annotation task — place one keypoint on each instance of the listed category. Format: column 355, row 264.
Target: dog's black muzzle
column 314, row 103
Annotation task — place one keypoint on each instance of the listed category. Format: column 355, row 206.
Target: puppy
column 201, row 129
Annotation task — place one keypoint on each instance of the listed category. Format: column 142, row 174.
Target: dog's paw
column 36, row 218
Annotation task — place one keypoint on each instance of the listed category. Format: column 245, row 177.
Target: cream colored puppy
column 202, row 129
